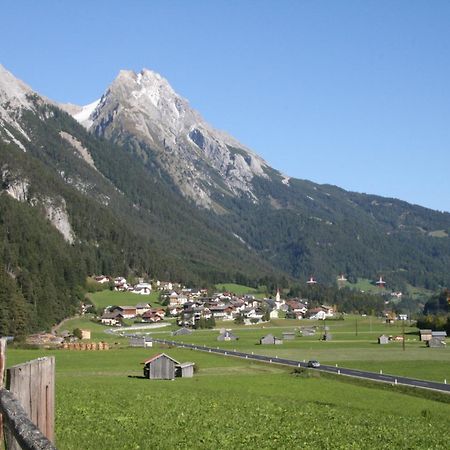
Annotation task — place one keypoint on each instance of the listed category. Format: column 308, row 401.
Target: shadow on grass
column 139, row 377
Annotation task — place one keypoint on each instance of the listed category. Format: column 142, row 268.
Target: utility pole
column 403, row 334
column 356, row 327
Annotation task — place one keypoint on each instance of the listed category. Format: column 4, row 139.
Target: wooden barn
column 270, row 339
column 141, row 341
column 160, row 367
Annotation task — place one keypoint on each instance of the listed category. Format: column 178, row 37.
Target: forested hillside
column 121, row 221
column 196, row 207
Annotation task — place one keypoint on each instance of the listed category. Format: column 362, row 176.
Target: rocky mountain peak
column 12, row 90
column 144, row 107
column 14, row 97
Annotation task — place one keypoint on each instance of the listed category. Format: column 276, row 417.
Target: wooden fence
column 27, row 403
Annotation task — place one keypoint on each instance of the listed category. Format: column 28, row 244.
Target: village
column 197, row 308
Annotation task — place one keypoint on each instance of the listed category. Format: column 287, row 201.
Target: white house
column 142, row 289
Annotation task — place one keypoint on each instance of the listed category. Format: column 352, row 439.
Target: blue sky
column 351, row 93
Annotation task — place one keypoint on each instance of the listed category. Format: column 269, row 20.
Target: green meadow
column 354, row 344
column 105, row 298
column 102, row 402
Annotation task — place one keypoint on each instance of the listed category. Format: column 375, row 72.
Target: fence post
column 33, row 385
column 2, row 378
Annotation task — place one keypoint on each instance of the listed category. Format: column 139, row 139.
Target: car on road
column 314, row 364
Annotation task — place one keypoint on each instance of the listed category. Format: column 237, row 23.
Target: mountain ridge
column 176, row 184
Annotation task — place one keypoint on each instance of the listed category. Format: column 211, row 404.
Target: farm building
column 160, row 367
column 425, row 335
column 383, row 339
column 141, row 341
column 441, row 335
column 288, row 335
column 181, row 332
column 436, row 343
column 163, row 367
column 227, row 336
column 270, row 339
column 185, row 370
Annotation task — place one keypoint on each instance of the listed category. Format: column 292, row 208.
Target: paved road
column 391, row 379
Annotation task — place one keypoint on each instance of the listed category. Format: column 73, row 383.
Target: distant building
column 185, row 370
column 441, row 335
column 383, row 339
column 227, row 336
column 141, row 341
column 160, row 367
column 164, row 367
column 436, row 343
column 425, row 335
column 270, row 339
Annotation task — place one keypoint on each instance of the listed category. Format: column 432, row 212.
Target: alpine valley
column 138, row 183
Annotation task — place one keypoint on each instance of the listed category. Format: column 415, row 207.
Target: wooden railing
column 27, row 403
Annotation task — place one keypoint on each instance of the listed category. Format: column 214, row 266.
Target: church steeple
column 277, row 297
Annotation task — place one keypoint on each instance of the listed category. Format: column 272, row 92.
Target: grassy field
column 366, row 285
column 240, row 289
column 102, row 402
column 345, row 349
column 105, row 298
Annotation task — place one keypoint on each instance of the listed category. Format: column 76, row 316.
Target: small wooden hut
column 160, row 367
column 270, row 339
column 185, row 370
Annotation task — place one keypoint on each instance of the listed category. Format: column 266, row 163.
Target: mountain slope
column 299, row 226
column 94, row 209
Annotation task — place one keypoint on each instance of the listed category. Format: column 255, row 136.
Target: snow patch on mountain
column 84, row 113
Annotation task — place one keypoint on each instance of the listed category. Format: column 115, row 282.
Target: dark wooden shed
column 160, row 367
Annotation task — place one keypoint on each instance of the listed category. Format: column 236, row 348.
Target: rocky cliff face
column 144, row 109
